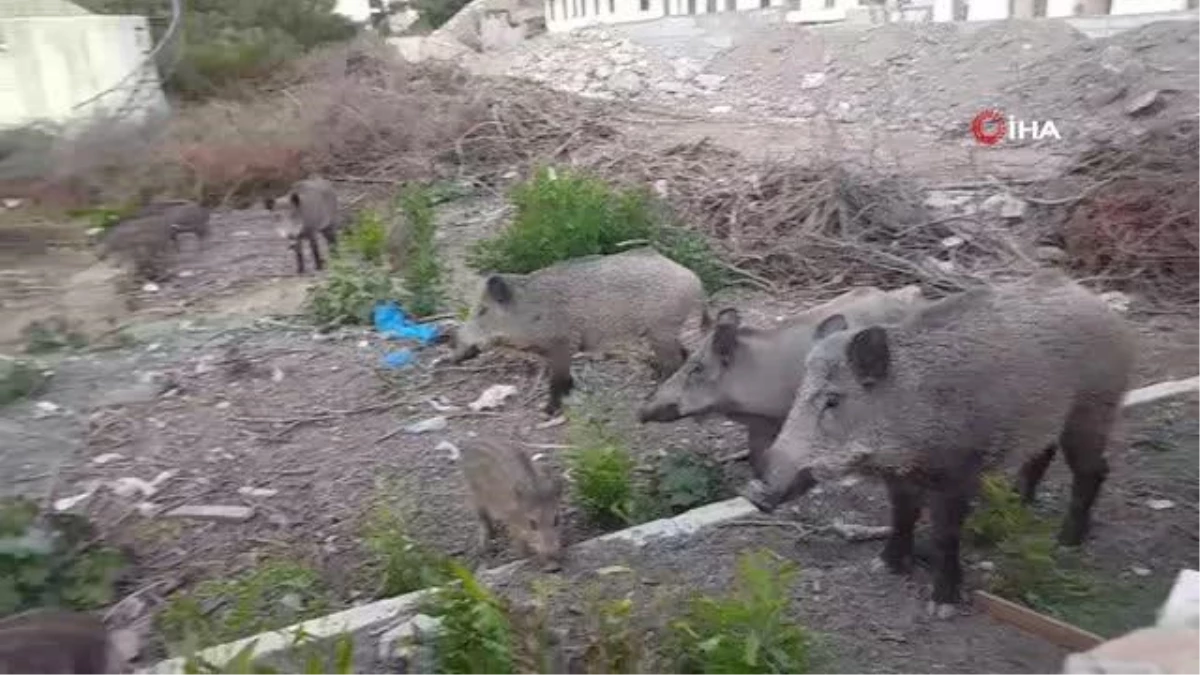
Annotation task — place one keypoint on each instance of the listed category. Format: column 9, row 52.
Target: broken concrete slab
column 238, row 514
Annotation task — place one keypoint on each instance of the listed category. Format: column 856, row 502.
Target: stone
column 106, row 458
column 626, row 82
column 721, row 109
column 450, row 449
column 1160, row 504
column 218, row 512
column 1005, row 205
column 1050, row 254
column 257, row 492
column 1146, row 104
column 812, row 80
column 492, row 397
column 437, row 423
column 709, row 80
column 401, row 640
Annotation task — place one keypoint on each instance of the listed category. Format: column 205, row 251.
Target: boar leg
column 905, row 498
column 760, row 434
column 1083, row 442
column 316, row 251
column 1032, row 471
column 561, row 382
column 299, row 255
column 948, row 511
column 330, row 235
column 487, row 532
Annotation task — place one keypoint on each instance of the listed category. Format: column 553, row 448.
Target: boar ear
column 499, row 289
column 725, row 335
column 831, row 324
column 869, row 355
column 295, row 199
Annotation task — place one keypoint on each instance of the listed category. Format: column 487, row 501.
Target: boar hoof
column 940, row 610
column 756, row 493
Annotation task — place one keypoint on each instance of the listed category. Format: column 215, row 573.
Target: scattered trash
column 549, row 424
column 392, row 322
column 222, row 405
column 150, row 287
column 439, row 404
column 854, row 532
column 953, row 241
column 398, row 359
column 257, row 492
column 1117, row 300
column 1139, row 570
column 1160, row 504
column 128, row 486
column 101, row 460
column 363, row 344
column 45, row 409
column 148, row 509
column 212, row 512
column 12, row 203
column 66, row 503
column 492, row 397
column 432, row 424
column 276, row 375
column 613, row 569
column 986, row 565
column 450, row 449
column 185, row 274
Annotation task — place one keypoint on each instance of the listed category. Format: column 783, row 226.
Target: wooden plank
column 1052, row 630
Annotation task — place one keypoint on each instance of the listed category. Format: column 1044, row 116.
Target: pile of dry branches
column 1137, row 222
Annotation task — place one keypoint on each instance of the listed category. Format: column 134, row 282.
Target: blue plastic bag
column 398, row 359
column 392, row 322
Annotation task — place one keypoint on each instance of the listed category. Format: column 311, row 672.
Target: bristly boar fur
column 180, row 216
column 507, row 489
column 1020, row 368
column 584, row 305
column 750, row 375
column 309, row 207
column 143, row 242
column 50, row 641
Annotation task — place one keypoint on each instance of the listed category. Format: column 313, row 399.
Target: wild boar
column 506, row 489
column 58, row 642
column 308, row 208
column 929, row 404
column 750, row 375
column 584, row 305
column 181, row 217
column 144, row 242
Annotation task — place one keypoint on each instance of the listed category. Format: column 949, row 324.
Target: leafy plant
column 271, row 595
column 19, row 379
column 402, row 564
column 686, row 480
column 562, row 215
column 348, row 294
column 422, row 270
column 614, row 645
column 1000, row 515
column 366, row 238
column 52, row 334
column 601, row 466
column 476, row 634
column 747, row 631
column 48, row 562
column 104, row 217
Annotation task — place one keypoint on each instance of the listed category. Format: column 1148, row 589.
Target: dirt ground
column 220, row 387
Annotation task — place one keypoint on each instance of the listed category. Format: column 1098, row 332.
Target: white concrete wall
column 987, row 10
column 820, row 11
column 1057, row 8
column 1108, row 25
column 564, row 15
column 355, row 10
column 943, row 10
column 50, row 65
column 1146, row 6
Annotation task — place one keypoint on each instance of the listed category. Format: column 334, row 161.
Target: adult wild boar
column 584, row 305
column 51, row 641
column 506, row 489
column 308, row 208
column 929, row 404
column 750, row 375
column 179, row 216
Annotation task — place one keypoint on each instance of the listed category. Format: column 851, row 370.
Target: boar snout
column 768, row 496
column 658, row 412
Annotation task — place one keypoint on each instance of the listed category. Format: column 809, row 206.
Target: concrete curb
column 392, row 609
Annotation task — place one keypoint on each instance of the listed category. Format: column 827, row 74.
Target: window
column 830, row 3
column 644, row 5
column 612, row 6
column 550, row 9
column 597, row 8
column 764, row 3
column 691, row 6
column 710, row 6
column 731, row 5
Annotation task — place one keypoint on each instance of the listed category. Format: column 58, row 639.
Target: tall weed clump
column 422, row 271
column 562, row 215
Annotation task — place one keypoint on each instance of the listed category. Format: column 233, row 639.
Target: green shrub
column 563, row 214
column 51, row 335
column 476, row 634
column 267, row 597
column 402, row 564
column 349, row 292
column 422, row 270
column 602, row 480
column 366, row 238
column 48, row 562
column 685, row 480
column 615, row 644
column 19, row 379
column 746, row 632
column 999, row 515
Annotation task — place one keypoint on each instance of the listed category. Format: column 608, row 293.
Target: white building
column 564, row 15
column 61, row 63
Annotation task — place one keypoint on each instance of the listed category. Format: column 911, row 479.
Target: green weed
column 562, row 215
column 401, row 564
column 19, row 379
column 51, row 335
column 602, row 473
column 476, row 634
column 746, row 632
column 104, row 217
column 348, row 294
column 267, row 597
column 615, row 644
column 314, row 659
column 685, row 480
column 1030, row 567
column 48, row 562
column 422, row 270
column 366, row 238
